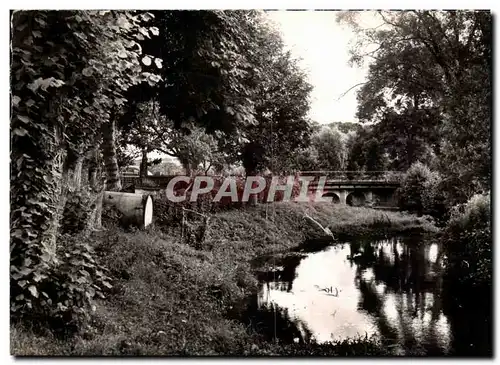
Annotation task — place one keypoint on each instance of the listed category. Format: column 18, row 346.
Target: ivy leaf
column 21, row 27
column 33, row 291
column 44, row 84
column 123, row 22
column 158, row 62
column 40, row 21
column 37, row 277
column 17, row 233
column 147, row 16
column 22, row 283
column 154, row 30
column 25, row 271
column 16, row 276
column 23, row 119
column 15, row 100
column 20, row 132
column 144, row 32
column 146, row 60
column 46, row 257
column 87, row 71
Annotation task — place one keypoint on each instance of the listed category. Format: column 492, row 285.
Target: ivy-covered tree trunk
column 36, row 199
column 94, row 184
column 75, row 181
column 113, row 182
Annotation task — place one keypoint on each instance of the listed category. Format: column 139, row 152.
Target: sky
column 323, row 46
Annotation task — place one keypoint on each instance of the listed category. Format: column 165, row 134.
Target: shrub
column 433, row 199
column 62, row 296
column 420, row 191
column 467, row 242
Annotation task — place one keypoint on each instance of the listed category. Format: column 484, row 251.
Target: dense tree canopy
column 429, row 91
column 87, row 85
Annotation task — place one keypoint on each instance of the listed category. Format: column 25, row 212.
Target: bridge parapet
column 357, row 176
column 148, row 182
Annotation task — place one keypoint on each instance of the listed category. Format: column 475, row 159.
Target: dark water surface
column 392, row 289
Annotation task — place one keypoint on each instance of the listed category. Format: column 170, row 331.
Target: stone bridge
column 368, row 188
column 357, row 188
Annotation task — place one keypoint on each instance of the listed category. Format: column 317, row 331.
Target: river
column 391, row 289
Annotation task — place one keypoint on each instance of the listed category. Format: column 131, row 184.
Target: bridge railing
column 379, row 176
column 149, row 181
column 341, row 176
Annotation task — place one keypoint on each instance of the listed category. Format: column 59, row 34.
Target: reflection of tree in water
column 273, row 322
column 270, row 320
column 402, row 269
column 471, row 321
column 282, row 279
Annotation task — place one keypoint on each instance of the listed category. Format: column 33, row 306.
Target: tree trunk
column 143, row 172
column 94, row 222
column 113, row 182
column 189, row 171
column 60, row 195
column 253, row 199
column 208, row 168
column 75, row 174
column 96, row 187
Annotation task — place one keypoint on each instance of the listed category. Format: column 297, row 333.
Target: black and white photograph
column 251, row 183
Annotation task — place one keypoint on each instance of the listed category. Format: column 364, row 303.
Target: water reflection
column 390, row 288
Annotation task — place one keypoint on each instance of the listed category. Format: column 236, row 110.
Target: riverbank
column 171, row 299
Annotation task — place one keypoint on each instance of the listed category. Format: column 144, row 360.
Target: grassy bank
column 170, row 299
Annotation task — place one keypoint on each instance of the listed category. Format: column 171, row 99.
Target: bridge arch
column 356, row 199
column 334, row 195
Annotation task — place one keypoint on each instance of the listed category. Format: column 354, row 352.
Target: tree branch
column 352, row 87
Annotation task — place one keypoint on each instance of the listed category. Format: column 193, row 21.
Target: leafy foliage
column 75, row 213
column 468, row 243
column 428, row 92
column 204, row 67
column 69, row 71
column 64, row 296
column 419, row 191
column 329, row 149
column 281, row 107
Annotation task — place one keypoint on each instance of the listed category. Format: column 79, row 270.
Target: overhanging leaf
column 154, row 30
column 146, row 60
